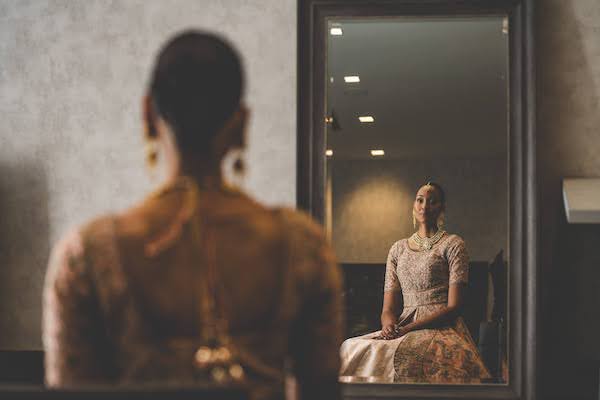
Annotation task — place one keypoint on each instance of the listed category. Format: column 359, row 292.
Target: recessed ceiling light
column 329, row 152
column 366, row 118
column 351, row 79
column 377, row 153
column 336, row 31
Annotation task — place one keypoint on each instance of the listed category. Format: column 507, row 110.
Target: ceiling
column 436, row 87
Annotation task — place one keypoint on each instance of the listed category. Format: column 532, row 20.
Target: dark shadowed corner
column 567, row 146
column 24, row 249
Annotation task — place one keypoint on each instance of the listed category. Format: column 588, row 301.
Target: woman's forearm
column 443, row 317
column 388, row 317
column 391, row 305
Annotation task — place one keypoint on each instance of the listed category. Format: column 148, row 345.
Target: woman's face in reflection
column 428, row 205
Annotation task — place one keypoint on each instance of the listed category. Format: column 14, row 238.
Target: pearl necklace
column 427, row 243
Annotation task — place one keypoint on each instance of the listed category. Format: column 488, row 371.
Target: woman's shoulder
column 453, row 243
column 69, row 255
column 96, row 239
column 399, row 245
column 78, row 236
column 99, row 234
column 398, row 248
column 309, row 251
column 454, row 239
column 299, row 224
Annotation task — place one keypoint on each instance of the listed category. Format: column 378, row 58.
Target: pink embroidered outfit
column 441, row 355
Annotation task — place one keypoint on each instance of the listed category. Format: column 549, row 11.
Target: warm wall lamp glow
column 366, row 118
column 336, row 31
column 351, row 79
column 377, row 153
column 328, row 152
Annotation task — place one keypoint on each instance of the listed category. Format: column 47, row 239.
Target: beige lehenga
column 442, row 355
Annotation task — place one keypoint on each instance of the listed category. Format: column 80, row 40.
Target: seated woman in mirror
column 423, row 337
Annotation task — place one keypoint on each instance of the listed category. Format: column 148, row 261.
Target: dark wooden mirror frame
column 523, row 278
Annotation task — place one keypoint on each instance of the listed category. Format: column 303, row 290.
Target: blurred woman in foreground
column 198, row 282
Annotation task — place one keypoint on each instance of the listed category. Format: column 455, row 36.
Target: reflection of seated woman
column 429, row 341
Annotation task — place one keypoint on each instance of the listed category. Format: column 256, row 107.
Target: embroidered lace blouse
column 424, row 276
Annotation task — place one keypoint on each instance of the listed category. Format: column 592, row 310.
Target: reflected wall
column 373, row 201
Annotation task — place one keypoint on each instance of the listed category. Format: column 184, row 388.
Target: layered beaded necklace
column 427, row 243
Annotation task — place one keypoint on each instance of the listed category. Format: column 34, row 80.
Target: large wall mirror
column 415, row 132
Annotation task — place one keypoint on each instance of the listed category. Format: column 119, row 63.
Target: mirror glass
column 412, row 101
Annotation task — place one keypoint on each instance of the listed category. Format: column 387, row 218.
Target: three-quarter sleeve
column 72, row 331
column 391, row 276
column 458, row 261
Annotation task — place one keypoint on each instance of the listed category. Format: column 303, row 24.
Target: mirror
column 425, row 108
column 411, row 101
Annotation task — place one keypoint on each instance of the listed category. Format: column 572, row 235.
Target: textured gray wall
column 568, row 145
column 373, row 201
column 72, row 74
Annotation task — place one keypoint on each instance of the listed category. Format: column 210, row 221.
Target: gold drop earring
column 414, row 220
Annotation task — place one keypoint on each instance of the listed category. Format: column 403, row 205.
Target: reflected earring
column 414, row 220
column 441, row 221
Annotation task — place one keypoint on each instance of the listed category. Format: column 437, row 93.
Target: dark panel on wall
column 568, row 54
column 22, row 367
column 24, row 249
